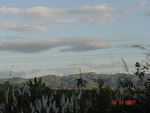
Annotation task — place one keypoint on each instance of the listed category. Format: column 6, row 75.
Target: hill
column 55, row 81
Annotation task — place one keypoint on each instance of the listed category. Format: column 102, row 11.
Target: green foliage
column 99, row 81
column 37, row 84
column 81, row 83
column 140, row 70
column 125, row 83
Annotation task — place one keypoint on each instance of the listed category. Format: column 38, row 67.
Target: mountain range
column 55, row 81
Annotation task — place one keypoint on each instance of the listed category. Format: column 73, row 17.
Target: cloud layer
column 6, row 74
column 93, row 66
column 67, row 44
column 86, row 66
column 100, row 14
column 34, row 71
column 136, row 46
column 148, row 13
column 80, row 44
column 28, row 46
column 39, row 46
column 24, row 28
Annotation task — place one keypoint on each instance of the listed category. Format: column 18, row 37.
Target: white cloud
column 98, row 20
column 143, row 3
column 38, row 14
column 99, row 14
column 71, row 70
column 92, row 66
column 17, row 37
column 65, row 70
column 140, row 3
column 24, row 28
column 34, row 71
column 98, row 9
column 86, row 66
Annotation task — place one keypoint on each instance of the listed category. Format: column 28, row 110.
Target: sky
column 57, row 37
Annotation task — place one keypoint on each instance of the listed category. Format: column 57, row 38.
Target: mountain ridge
column 69, row 81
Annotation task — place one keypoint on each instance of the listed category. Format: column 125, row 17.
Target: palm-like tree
column 80, row 81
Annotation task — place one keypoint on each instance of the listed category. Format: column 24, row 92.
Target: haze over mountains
column 55, row 81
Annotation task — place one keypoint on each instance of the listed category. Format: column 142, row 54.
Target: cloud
column 99, row 14
column 103, row 19
column 28, row 46
column 65, row 70
column 77, row 44
column 140, row 3
column 38, row 14
column 17, row 37
column 121, row 39
column 6, row 73
column 87, row 44
column 143, row 3
column 70, row 70
column 67, row 44
column 19, row 74
column 93, row 66
column 80, row 44
column 136, row 46
column 34, row 71
column 24, row 28
column 86, row 67
column 85, row 64
column 98, row 9
column 148, row 13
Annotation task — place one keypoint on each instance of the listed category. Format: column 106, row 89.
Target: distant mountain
column 55, row 81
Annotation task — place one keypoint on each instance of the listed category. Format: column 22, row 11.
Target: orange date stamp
column 121, row 102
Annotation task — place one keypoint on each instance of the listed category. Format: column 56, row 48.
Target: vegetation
column 35, row 97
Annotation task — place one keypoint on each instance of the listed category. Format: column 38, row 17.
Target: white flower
column 79, row 96
column 40, row 106
column 25, row 89
column 44, row 101
column 7, row 95
column 13, row 94
column 54, row 107
column 32, row 108
column 63, row 99
column 19, row 91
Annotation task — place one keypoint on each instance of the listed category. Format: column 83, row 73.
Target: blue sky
column 42, row 37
